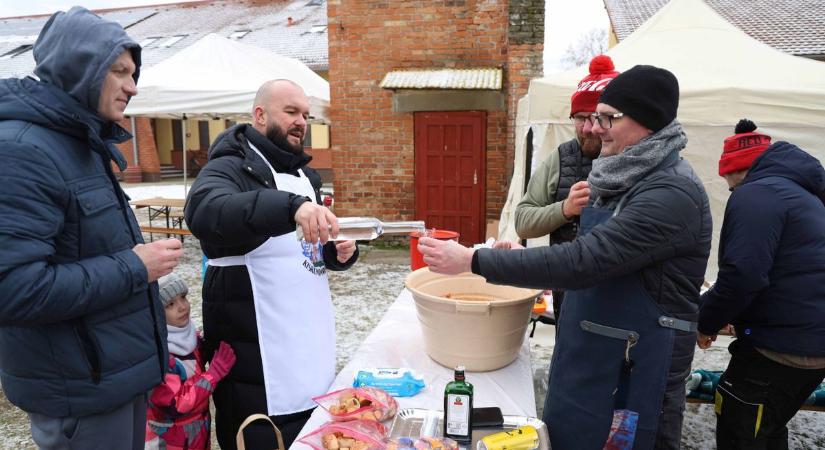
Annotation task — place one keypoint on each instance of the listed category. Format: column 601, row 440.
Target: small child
column 178, row 410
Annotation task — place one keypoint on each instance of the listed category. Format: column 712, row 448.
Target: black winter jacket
column 771, row 282
column 81, row 330
column 662, row 233
column 233, row 207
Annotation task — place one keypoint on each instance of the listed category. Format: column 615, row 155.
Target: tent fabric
column 219, row 77
column 724, row 75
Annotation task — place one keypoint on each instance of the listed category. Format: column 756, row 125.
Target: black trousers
column 260, row 435
column 756, row 398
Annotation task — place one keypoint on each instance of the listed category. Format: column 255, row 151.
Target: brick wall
column 372, row 147
column 524, row 59
column 149, row 169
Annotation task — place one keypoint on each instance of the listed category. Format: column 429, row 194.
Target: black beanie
column 648, row 94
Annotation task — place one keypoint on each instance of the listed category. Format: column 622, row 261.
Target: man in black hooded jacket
column 266, row 292
column 82, row 330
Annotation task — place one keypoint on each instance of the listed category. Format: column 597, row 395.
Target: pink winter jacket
column 178, row 411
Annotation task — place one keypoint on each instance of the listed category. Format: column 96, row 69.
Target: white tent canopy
column 218, row 77
column 724, row 75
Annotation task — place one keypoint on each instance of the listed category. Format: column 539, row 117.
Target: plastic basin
column 467, row 321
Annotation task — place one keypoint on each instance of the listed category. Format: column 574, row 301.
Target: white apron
column 293, row 311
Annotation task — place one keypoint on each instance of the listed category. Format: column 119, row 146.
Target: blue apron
column 603, row 327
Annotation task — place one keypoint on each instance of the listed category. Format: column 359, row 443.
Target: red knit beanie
column 742, row 148
column 590, row 87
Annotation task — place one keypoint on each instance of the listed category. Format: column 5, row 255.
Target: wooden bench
column 176, row 219
column 804, row 407
column 180, row 232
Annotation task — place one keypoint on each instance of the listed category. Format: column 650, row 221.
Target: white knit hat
column 170, row 287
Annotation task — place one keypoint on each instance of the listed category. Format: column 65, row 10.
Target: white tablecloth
column 397, row 342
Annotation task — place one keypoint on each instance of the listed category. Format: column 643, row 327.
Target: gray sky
column 9, row 8
column 566, row 20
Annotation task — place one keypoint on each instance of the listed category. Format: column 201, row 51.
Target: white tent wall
column 218, row 77
column 724, row 75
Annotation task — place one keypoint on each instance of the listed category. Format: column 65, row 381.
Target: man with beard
column 558, row 189
column 627, row 336
column 265, row 292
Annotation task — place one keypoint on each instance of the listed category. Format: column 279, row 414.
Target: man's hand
column 159, row 257
column 317, row 222
column 509, row 245
column 704, row 341
column 447, row 257
column 576, row 199
column 344, row 250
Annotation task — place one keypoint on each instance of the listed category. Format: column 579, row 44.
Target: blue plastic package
column 398, row 382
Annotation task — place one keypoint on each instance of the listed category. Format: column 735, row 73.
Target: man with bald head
column 266, row 292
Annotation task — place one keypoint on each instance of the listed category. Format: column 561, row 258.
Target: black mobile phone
column 488, row 417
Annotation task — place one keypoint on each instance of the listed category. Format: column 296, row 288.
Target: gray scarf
column 182, row 341
column 614, row 175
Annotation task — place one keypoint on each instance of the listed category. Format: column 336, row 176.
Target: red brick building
column 423, row 97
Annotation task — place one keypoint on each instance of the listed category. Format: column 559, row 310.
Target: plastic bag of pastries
column 352, row 435
column 363, row 403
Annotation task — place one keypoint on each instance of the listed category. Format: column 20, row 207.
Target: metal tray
column 415, row 422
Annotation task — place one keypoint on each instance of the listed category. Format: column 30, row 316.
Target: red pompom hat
column 742, row 148
column 590, row 87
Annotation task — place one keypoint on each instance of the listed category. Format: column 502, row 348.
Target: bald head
column 280, row 112
column 271, row 88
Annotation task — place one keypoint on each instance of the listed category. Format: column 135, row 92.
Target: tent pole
column 183, row 130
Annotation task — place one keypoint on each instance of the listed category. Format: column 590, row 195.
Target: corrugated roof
column 268, row 23
column 479, row 78
column 792, row 26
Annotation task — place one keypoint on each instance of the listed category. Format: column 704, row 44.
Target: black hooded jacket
column 81, row 330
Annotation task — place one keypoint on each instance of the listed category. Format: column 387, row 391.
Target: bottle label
column 458, row 415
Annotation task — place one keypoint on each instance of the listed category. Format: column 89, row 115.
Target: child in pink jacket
column 178, row 412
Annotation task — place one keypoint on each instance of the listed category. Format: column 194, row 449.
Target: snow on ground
column 361, row 296
column 162, row 189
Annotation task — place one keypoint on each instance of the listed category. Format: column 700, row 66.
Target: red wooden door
column 450, row 172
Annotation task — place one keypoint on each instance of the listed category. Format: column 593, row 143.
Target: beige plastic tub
column 467, row 321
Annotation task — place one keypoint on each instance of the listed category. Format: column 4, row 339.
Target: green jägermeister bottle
column 458, row 408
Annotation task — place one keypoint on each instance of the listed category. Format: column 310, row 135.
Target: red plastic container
column 416, row 258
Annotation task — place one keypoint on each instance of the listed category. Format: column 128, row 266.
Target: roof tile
column 792, row 26
column 268, row 23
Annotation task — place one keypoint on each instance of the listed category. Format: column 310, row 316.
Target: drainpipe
column 134, row 142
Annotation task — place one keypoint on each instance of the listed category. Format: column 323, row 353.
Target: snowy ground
column 362, row 295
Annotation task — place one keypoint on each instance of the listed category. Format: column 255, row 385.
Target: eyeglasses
column 580, row 119
column 605, row 120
